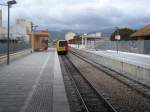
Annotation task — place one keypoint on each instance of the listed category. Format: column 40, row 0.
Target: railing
column 132, row 46
column 135, row 46
column 14, row 55
column 14, row 47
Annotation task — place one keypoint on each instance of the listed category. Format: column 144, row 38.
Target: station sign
column 117, row 37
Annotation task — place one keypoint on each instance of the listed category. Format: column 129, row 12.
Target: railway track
column 139, row 87
column 122, row 93
column 81, row 94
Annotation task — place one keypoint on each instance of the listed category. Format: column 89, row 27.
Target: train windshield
column 62, row 43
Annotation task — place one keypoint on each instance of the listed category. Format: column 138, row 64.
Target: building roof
column 92, row 37
column 142, row 32
column 39, row 33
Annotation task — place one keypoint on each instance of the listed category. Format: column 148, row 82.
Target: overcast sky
column 81, row 15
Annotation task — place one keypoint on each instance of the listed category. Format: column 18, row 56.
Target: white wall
column 2, row 32
column 70, row 35
column 0, row 18
column 20, row 29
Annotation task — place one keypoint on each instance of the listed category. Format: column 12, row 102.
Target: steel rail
column 106, row 103
column 76, row 87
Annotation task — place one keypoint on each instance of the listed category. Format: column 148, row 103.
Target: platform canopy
column 37, row 37
column 43, row 33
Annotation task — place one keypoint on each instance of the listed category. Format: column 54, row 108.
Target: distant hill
column 55, row 35
column 105, row 32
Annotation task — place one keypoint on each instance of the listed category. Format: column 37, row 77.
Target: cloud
column 82, row 14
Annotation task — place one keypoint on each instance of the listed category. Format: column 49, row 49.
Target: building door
column 147, row 46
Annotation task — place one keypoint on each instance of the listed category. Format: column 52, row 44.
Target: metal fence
column 14, row 46
column 135, row 46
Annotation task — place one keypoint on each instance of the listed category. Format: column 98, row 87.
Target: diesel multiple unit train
column 62, row 47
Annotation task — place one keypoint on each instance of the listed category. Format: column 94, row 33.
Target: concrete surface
column 33, row 84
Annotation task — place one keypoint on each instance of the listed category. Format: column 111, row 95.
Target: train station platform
column 33, row 84
column 132, row 58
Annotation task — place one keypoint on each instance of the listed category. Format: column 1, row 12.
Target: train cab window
column 62, row 43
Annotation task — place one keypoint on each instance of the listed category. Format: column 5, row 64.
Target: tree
column 125, row 34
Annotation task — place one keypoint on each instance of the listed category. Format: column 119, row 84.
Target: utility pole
column 117, row 37
column 9, row 4
column 8, row 38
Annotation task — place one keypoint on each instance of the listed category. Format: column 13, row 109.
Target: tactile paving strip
column 42, row 99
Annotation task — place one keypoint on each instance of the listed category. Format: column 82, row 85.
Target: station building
column 143, row 36
column 86, row 40
column 2, row 29
column 0, row 18
column 70, row 37
column 18, row 31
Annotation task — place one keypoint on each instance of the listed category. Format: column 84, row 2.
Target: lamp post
column 117, row 37
column 9, row 4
